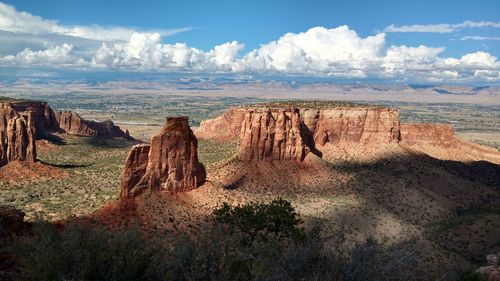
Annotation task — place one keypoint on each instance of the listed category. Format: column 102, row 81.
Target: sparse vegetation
column 92, row 252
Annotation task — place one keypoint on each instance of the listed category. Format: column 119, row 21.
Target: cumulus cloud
column 441, row 28
column 319, row 51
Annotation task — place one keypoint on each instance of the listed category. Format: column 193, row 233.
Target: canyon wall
column 278, row 131
column 46, row 121
column 72, row 123
column 272, row 135
column 224, row 127
column 171, row 163
column 17, row 139
column 442, row 138
column 290, row 133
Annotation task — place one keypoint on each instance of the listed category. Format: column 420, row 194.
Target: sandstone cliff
column 171, row 164
column 72, row 123
column 135, row 168
column 272, row 135
column 46, row 121
column 17, row 140
column 224, row 127
column 44, row 118
column 440, row 141
column 283, row 132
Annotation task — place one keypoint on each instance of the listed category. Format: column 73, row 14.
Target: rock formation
column 425, row 136
column 272, row 135
column 171, row 164
column 135, row 168
column 284, row 132
column 44, row 118
column 17, row 140
column 224, row 127
column 46, row 121
column 72, row 123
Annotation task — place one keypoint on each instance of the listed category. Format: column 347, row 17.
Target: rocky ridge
column 288, row 131
column 46, row 121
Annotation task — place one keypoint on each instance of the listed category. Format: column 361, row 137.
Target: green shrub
column 276, row 219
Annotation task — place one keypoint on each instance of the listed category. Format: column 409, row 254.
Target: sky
column 391, row 41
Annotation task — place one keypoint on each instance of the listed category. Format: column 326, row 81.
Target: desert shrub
column 87, row 252
column 471, row 275
column 90, row 252
column 277, row 219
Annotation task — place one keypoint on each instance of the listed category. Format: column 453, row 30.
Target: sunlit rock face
column 71, row 123
column 282, row 132
column 17, row 139
column 171, row 163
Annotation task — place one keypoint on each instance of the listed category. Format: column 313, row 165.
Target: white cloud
column 441, row 28
column 402, row 59
column 320, row 51
column 479, row 38
column 53, row 56
column 15, row 21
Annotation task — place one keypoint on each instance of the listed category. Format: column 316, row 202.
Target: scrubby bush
column 90, row 252
column 275, row 220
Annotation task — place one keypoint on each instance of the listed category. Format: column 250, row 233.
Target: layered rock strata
column 170, row 163
column 46, row 121
column 291, row 133
column 17, row 140
column 72, row 123
column 443, row 136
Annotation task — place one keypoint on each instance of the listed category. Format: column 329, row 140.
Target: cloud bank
column 319, row 51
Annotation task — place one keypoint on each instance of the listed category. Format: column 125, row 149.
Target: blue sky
column 451, row 30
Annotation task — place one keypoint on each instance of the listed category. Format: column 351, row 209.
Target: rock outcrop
column 17, row 140
column 135, row 168
column 439, row 136
column 171, row 164
column 272, row 135
column 283, row 132
column 72, row 123
column 225, row 127
column 44, row 118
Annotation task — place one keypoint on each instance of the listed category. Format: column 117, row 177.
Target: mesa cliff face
column 169, row 164
column 290, row 133
column 17, row 140
column 72, row 123
column 438, row 139
column 272, row 135
column 224, row 127
column 46, row 121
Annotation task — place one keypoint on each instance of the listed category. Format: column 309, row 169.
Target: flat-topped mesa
column 46, row 121
column 288, row 131
column 42, row 115
column 72, row 123
column 170, row 163
column 428, row 134
column 17, row 140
